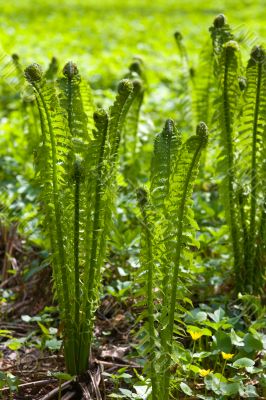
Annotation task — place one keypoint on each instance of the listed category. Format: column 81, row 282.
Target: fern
column 228, row 109
column 204, row 90
column 221, row 33
column 181, row 186
column 206, row 74
column 147, row 260
column 77, row 170
column 56, row 146
column 129, row 139
column 250, row 163
column 181, row 47
column 185, row 86
column 52, row 70
column 167, row 231
column 30, row 114
column 77, row 103
column 108, row 137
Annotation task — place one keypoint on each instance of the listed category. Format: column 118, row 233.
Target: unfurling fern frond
column 166, row 146
column 251, row 162
column 147, row 261
column 179, row 213
column 167, row 236
column 185, row 86
column 204, row 88
column 221, row 33
column 209, row 67
column 228, row 112
column 30, row 114
column 52, row 163
column 78, row 106
column 129, row 149
column 106, row 145
column 52, row 70
column 181, row 47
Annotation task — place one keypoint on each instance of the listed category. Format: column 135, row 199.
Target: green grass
column 103, row 36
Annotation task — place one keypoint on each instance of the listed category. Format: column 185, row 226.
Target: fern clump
column 76, row 170
column 167, row 226
column 240, row 113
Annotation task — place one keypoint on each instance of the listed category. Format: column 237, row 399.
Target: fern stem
column 243, row 225
column 259, row 277
column 76, row 252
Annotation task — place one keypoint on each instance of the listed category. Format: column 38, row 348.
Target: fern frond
column 129, row 140
column 251, row 150
column 107, row 137
column 204, row 85
column 78, row 106
column 166, row 146
column 52, row 70
column 147, row 262
column 56, row 146
column 221, row 33
column 177, row 203
column 166, row 237
column 209, row 68
column 181, row 47
column 228, row 110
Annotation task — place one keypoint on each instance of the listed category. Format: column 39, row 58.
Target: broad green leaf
column 252, row 343
column 223, row 341
column 248, row 391
column 186, row 389
column 243, row 363
column 236, row 340
column 218, row 315
column 229, row 389
column 53, row 344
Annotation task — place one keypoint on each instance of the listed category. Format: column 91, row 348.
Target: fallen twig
column 30, row 384
column 117, row 364
column 50, row 396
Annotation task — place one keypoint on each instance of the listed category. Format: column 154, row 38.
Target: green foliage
column 216, row 350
